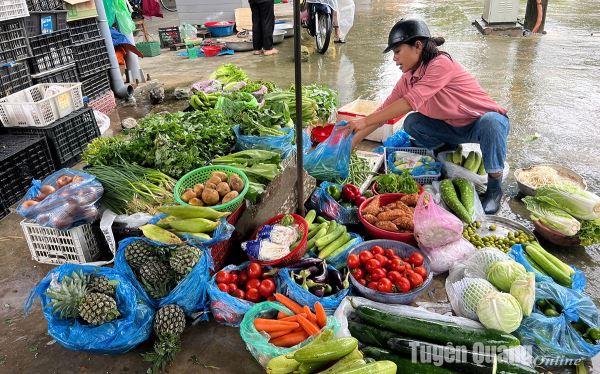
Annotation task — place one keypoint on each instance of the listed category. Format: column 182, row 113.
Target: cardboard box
column 362, row 108
column 80, row 9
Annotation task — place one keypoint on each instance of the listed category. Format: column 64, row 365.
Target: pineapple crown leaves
column 165, row 349
column 67, row 294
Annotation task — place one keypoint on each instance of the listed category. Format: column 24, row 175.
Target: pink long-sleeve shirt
column 444, row 90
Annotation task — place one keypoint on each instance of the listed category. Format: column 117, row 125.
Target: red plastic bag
column 435, row 226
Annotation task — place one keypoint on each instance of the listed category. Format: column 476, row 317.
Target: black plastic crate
column 50, row 51
column 4, row 211
column 67, row 137
column 42, row 5
column 22, row 159
column 68, row 74
column 95, row 86
column 91, row 57
column 14, row 78
column 84, row 30
column 46, row 22
column 169, row 36
column 13, row 41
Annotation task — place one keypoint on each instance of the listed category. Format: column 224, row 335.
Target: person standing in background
column 263, row 24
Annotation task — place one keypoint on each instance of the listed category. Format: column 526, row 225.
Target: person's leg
column 335, row 17
column 268, row 27
column 432, row 133
column 257, row 40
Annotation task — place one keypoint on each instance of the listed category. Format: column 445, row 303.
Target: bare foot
column 258, row 52
column 271, row 52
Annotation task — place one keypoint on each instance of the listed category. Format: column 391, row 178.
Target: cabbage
column 502, row 274
column 552, row 217
column 573, row 200
column 523, row 289
column 500, row 311
column 475, row 290
column 590, row 232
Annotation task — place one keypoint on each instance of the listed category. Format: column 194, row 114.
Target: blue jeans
column 490, row 131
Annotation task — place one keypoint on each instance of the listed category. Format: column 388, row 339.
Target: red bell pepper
column 350, row 192
column 359, row 200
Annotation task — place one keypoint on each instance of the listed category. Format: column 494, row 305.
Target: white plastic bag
column 102, row 120
column 442, row 258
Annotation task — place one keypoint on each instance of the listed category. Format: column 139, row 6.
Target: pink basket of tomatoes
column 235, row 289
column 389, row 271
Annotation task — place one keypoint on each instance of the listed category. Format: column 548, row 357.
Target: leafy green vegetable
column 256, row 85
column 572, row 199
column 590, row 232
column 523, row 289
column 255, row 191
column 500, row 311
column 249, row 157
column 325, row 98
column 285, row 102
column 394, row 183
column 502, row 274
column 262, row 123
column 229, row 73
column 551, row 216
column 105, row 151
column 259, row 173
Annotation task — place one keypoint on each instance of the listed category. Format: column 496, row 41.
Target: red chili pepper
column 350, row 192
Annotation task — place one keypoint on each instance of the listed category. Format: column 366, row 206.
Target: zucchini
column 370, row 335
column 435, row 331
column 282, row 365
column 407, row 365
column 322, row 220
column 311, row 243
column 313, row 232
column 377, row 367
column 310, row 216
column 456, row 156
column 552, row 270
column 471, row 162
column 558, row 263
column 345, row 246
column 533, row 264
column 467, row 194
column 330, row 237
column 451, row 199
column 477, row 162
column 326, row 351
column 481, row 170
column 504, row 367
column 345, row 362
column 337, row 243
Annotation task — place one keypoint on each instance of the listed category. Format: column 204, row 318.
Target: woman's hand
column 357, row 124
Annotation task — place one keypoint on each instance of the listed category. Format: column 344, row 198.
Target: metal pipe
column 298, row 85
column 135, row 74
column 116, row 80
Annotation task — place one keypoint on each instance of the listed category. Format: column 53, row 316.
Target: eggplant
column 306, row 262
column 335, row 280
column 321, row 276
column 318, row 291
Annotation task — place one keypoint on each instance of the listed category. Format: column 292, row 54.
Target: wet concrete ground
column 549, row 83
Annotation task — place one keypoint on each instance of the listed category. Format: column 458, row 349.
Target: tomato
column 372, row 264
column 415, row 280
column 397, row 265
column 385, row 285
column 232, row 287
column 252, row 283
column 242, row 278
column 233, row 277
column 252, row 295
column 377, row 250
column 377, row 274
column 416, row 259
column 358, row 273
column 239, row 294
column 223, row 287
column 368, row 278
column 421, row 271
column 353, row 261
column 254, row 270
column 222, row 277
column 409, row 271
column 271, row 298
column 382, row 259
column 266, row 288
column 407, row 267
column 365, row 256
column 363, row 282
column 394, row 276
column 389, row 253
column 372, row 285
column 403, row 285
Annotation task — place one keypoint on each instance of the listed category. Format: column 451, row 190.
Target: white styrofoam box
column 362, row 108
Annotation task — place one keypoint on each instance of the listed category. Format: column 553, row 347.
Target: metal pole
column 298, row 85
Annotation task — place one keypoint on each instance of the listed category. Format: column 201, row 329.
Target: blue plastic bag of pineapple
column 132, row 327
column 330, row 160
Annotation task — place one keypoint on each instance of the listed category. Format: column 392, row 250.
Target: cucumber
column 326, row 351
column 310, row 216
column 435, row 331
column 311, row 367
column 476, row 163
column 314, row 231
column 558, row 263
column 451, row 199
column 552, row 270
column 481, row 170
column 471, row 161
column 344, row 246
column 456, row 156
column 407, row 365
column 467, row 194
column 345, row 362
column 370, row 335
column 282, row 365
column 311, row 243
column 533, row 264
column 377, row 367
column 504, row 367
column 337, row 243
column 321, row 220
column 329, row 238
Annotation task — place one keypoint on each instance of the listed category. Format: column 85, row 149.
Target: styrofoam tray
column 375, row 161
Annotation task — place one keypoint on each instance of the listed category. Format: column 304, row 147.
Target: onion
column 77, row 179
column 40, row 197
column 63, row 181
column 47, row 189
column 28, row 204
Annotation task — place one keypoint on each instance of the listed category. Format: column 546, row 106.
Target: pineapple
column 184, row 258
column 97, row 308
column 66, row 296
column 169, row 323
column 157, row 278
column 169, row 320
column 139, row 252
column 101, row 284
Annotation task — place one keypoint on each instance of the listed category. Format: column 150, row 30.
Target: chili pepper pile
column 252, row 284
column 314, row 276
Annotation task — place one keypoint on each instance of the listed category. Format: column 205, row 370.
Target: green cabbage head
column 500, row 311
column 502, row 274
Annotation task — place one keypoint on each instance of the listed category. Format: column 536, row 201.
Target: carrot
column 270, row 325
column 320, row 313
column 290, row 339
column 289, row 303
column 310, row 315
column 293, row 318
column 309, row 327
column 281, row 315
column 276, row 334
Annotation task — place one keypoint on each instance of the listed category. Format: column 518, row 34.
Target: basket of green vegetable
column 395, row 183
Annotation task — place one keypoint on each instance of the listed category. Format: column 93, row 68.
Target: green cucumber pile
column 473, row 162
column 459, row 195
column 549, row 265
column 327, row 238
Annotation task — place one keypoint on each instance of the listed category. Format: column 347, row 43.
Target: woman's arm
column 366, row 125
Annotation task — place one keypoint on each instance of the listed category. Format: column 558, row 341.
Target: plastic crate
column 22, row 159
column 50, row 51
column 67, row 74
column 423, row 179
column 362, row 108
column 105, row 104
column 13, row 41
column 67, row 137
column 51, row 246
column 91, row 57
column 4, row 210
column 84, row 30
column 148, row 49
column 33, row 107
column 11, row 9
column 14, row 78
column 220, row 251
column 45, row 22
column 95, row 86
column 42, row 5
column 169, row 36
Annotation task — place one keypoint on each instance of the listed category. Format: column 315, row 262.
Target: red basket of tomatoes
column 389, row 271
column 379, row 232
column 295, row 253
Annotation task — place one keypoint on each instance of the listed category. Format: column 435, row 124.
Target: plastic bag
column 188, row 31
column 327, row 207
column 116, row 337
column 517, row 253
column 285, row 145
column 346, row 17
column 190, row 293
column 225, row 308
column 258, row 343
column 442, row 258
column 554, row 337
column 477, row 265
column 330, row 160
column 117, row 10
column 478, row 213
column 304, row 297
column 435, row 226
column 339, row 261
column 418, row 165
column 71, row 205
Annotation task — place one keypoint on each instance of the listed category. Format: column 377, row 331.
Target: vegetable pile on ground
column 459, row 195
column 325, row 99
column 384, row 271
column 396, row 216
column 253, row 283
column 274, row 241
column 395, row 183
column 328, row 239
column 181, row 221
column 285, row 102
column 503, row 243
column 217, row 190
column 547, row 264
column 473, row 162
column 313, row 275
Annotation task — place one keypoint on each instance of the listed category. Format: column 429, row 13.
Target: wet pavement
column 549, row 83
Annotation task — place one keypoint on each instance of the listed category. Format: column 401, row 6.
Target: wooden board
column 243, row 19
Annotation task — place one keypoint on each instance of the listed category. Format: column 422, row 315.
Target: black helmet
column 406, row 30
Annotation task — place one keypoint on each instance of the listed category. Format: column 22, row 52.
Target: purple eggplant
column 335, row 280
column 321, row 275
column 306, row 262
column 318, row 291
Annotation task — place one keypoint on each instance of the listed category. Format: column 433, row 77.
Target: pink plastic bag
column 442, row 258
column 435, row 226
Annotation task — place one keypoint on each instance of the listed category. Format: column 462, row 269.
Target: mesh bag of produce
column 327, row 207
column 478, row 264
column 465, row 294
column 132, row 327
column 330, row 160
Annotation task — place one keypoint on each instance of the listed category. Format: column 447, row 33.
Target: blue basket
column 421, row 179
column 218, row 31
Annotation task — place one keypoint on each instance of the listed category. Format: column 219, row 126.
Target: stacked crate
column 14, row 47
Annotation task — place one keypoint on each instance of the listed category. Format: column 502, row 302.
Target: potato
column 196, row 202
column 188, row 194
column 210, row 196
column 236, row 183
column 198, row 190
column 214, row 179
column 230, row 196
column 223, row 189
column 219, row 174
column 210, row 185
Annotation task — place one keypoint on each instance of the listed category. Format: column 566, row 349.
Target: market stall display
column 389, row 216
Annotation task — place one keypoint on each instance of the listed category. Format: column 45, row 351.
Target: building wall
column 200, row 11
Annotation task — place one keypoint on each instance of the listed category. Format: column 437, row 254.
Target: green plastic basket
column 201, row 175
column 148, row 49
